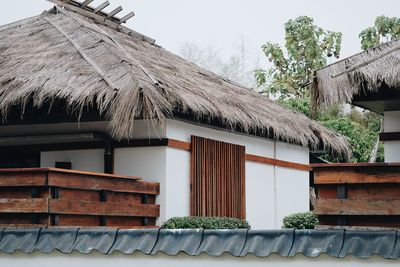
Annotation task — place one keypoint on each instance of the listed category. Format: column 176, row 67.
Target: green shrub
column 205, row 223
column 302, row 220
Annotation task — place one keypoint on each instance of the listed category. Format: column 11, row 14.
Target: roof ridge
column 100, row 17
column 122, row 49
column 379, row 46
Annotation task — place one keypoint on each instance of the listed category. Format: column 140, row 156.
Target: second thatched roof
column 63, row 55
column 366, row 72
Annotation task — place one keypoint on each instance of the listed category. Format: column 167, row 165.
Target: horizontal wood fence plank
column 58, row 170
column 78, row 207
column 355, row 177
column 374, row 192
column 34, row 205
column 23, row 179
column 89, row 183
column 357, row 207
column 360, row 165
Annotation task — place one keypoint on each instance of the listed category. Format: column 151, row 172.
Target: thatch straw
column 362, row 73
column 62, row 55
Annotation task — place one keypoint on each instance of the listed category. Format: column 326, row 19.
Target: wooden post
column 341, row 194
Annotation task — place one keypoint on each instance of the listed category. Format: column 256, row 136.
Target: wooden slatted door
column 217, row 179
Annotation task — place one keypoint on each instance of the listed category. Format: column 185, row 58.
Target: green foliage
column 362, row 128
column 362, row 140
column 302, row 220
column 384, row 28
column 205, row 223
column 307, row 48
column 301, row 105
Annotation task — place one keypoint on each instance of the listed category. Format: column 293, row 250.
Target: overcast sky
column 222, row 23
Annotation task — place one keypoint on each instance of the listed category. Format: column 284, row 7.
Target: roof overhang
column 385, row 99
column 370, row 79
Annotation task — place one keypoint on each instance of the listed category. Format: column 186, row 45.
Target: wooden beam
column 78, row 207
column 391, row 136
column 33, row 205
column 356, row 176
column 357, row 207
column 127, row 17
column 277, row 162
column 86, row 3
column 179, row 144
column 87, row 13
column 114, row 12
column 101, row 7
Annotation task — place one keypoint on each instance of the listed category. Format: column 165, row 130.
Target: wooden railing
column 58, row 197
column 362, row 194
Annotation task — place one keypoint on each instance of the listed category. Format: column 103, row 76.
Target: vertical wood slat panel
column 217, row 179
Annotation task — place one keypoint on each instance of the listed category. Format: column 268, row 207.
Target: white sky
column 222, row 23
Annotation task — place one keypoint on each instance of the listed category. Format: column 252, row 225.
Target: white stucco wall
column 148, row 163
column 392, row 124
column 292, row 186
column 138, row 259
column 83, row 160
column 271, row 192
column 260, row 195
column 177, row 183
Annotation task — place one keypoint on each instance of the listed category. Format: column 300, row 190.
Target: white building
column 89, row 94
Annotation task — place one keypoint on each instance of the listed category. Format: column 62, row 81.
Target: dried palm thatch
column 63, row 55
column 361, row 73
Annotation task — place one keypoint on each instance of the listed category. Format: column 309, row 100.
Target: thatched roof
column 365, row 72
column 63, row 55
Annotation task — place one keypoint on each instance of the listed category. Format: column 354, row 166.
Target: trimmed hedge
column 302, row 220
column 205, row 223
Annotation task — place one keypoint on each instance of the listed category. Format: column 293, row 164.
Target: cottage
column 367, row 193
column 80, row 91
column 86, row 103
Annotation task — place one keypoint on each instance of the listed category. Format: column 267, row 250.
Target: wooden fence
column 366, row 195
column 58, row 197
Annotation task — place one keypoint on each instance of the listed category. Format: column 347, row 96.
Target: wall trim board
column 179, row 144
column 249, row 157
column 277, row 162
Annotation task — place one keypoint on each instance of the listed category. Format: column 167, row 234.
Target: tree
column 239, row 67
column 307, row 48
column 385, row 29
